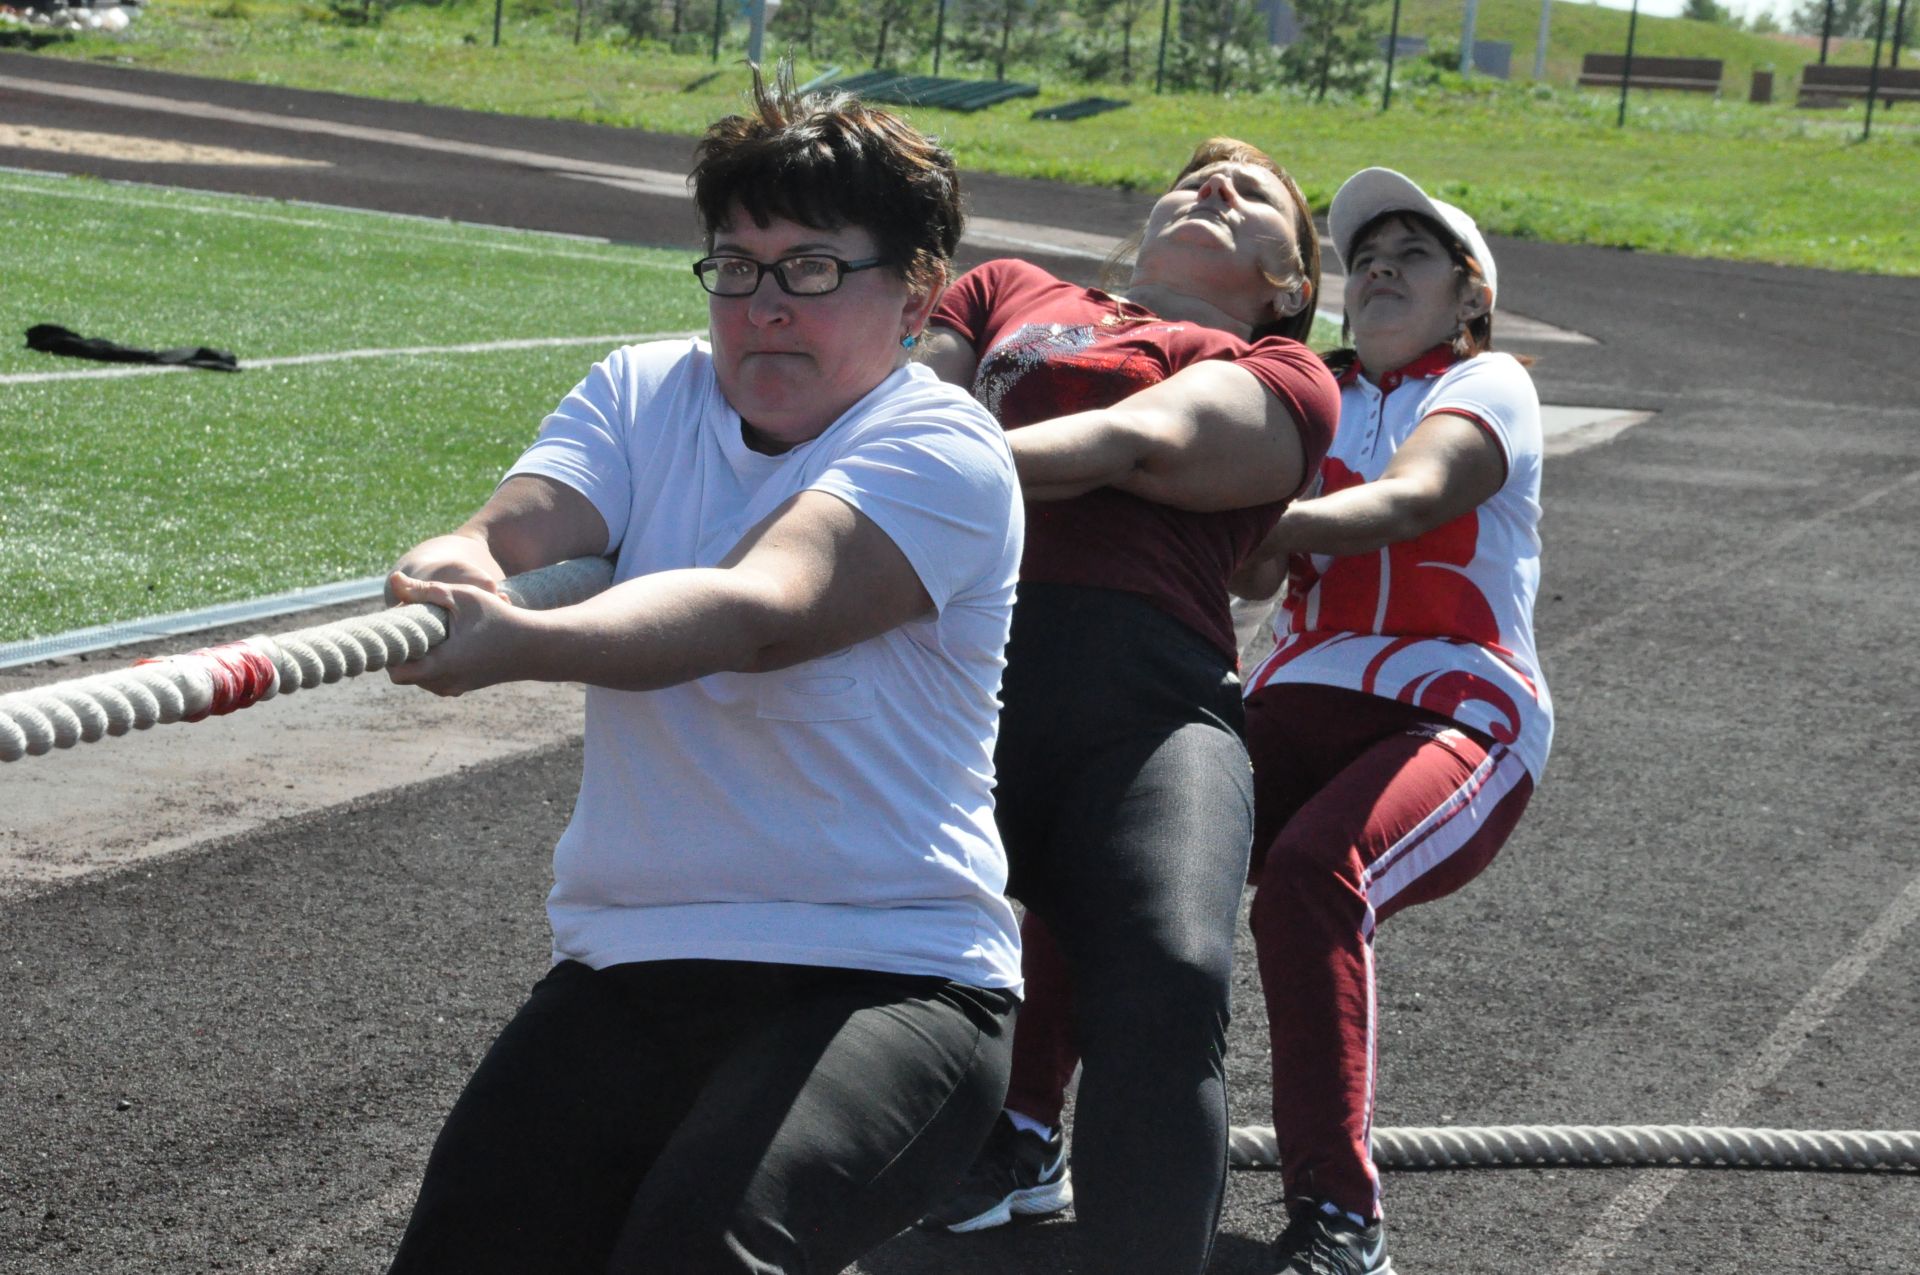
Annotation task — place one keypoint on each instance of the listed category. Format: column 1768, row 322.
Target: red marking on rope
column 242, row 676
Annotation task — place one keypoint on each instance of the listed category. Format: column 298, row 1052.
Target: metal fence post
column 1540, row 41
column 1626, row 65
column 1160, row 71
column 1873, row 75
column 1393, row 47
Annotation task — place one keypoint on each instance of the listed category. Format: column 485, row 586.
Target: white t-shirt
column 838, row 812
column 1445, row 620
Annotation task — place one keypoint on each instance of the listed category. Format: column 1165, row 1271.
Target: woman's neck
column 1172, row 303
column 1377, row 361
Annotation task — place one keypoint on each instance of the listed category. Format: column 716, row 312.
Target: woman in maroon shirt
column 1160, row 430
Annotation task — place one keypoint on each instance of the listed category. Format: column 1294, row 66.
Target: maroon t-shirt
column 1048, row 348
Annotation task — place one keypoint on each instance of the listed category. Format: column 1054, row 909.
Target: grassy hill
column 1578, row 29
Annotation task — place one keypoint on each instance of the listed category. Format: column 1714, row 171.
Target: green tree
column 885, row 26
column 1708, row 11
column 1338, row 45
column 1850, row 17
column 1119, row 17
column 801, row 23
column 999, row 33
column 640, row 19
column 1220, row 42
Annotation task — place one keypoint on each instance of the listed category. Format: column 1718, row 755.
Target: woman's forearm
column 655, row 631
column 1210, row 437
column 1358, row 519
column 1070, row 455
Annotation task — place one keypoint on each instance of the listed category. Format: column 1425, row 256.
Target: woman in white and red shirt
column 1401, row 721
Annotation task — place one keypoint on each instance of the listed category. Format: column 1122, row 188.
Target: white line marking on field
column 652, row 181
column 1574, row 429
column 146, row 150
column 113, row 196
column 989, row 231
column 1520, row 328
column 1633, row 1206
column 998, row 233
column 660, row 182
column 336, row 356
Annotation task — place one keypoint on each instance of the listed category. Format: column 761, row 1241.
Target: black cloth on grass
column 59, row 340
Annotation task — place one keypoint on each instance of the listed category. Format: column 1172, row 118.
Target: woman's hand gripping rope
column 226, row 678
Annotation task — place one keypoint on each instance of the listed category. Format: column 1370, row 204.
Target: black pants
column 1126, row 803
column 686, row 1117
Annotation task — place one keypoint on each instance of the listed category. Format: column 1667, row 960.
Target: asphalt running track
column 234, row 1058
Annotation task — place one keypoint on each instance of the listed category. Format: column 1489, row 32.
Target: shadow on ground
column 1027, row 1246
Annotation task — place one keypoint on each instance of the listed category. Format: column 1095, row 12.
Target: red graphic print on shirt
column 1412, row 590
column 1415, row 588
column 1080, row 375
column 1450, row 693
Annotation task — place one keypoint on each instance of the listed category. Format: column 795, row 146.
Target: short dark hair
column 829, row 160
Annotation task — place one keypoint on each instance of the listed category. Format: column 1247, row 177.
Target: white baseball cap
column 1373, row 191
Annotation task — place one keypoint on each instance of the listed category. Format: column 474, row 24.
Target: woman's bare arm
column 1209, row 437
column 814, row 577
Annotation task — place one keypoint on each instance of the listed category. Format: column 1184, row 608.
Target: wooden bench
column 1692, row 75
column 1835, row 85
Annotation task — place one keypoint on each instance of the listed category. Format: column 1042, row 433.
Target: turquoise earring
column 908, row 341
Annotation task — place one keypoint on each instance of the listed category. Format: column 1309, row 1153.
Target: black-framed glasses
column 807, row 275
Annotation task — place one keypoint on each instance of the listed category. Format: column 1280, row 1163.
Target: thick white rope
column 184, row 688
column 1595, row 1146
column 221, row 679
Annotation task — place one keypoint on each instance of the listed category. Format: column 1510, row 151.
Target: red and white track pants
column 1363, row 806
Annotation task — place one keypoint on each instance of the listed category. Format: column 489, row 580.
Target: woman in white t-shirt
column 784, row 972
column 1401, row 721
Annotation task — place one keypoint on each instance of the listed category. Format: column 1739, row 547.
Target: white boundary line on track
column 652, row 181
column 1632, row 1207
column 81, row 190
column 658, row 180
column 1629, row 1210
column 100, row 637
column 336, row 356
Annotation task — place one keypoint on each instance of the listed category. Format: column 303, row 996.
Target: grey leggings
column 1126, row 803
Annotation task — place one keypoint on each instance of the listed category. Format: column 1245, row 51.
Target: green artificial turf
column 143, row 495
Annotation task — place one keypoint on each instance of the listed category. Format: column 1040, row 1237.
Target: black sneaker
column 1317, row 1242
column 1017, row 1172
